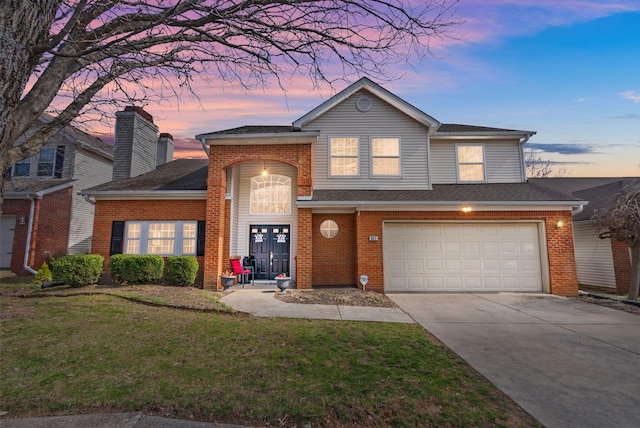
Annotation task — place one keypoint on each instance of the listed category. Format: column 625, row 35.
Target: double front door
column 270, row 245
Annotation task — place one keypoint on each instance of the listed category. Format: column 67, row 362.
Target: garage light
column 559, row 224
column 466, row 209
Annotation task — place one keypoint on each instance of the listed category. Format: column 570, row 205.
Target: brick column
column 621, row 265
column 216, row 220
column 370, row 257
column 563, row 276
column 305, row 253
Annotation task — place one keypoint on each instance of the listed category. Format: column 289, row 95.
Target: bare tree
column 621, row 221
column 73, row 54
column 537, row 167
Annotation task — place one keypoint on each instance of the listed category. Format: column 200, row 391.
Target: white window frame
column 483, row 163
column 332, row 157
column 373, row 157
column 178, row 239
column 285, row 194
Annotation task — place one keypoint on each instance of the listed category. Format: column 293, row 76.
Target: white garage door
column 462, row 257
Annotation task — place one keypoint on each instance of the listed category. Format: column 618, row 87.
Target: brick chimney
column 165, row 149
column 136, row 138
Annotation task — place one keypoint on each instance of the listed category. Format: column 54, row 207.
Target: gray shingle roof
column 180, row 174
column 19, row 186
column 499, row 192
column 599, row 191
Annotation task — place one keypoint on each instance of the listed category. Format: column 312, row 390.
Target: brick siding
column 334, row 260
column 621, row 266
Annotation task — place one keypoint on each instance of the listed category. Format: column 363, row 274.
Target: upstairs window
column 343, row 157
column 270, row 194
column 47, row 163
column 470, row 158
column 385, row 156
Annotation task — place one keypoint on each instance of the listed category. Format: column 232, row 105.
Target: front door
column 270, row 245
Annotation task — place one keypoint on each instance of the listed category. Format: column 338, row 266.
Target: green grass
column 98, row 353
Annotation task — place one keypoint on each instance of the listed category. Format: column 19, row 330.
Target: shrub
column 181, row 270
column 136, row 268
column 44, row 274
column 78, row 270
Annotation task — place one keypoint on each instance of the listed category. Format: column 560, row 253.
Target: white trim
column 441, row 205
column 113, row 195
column 293, row 137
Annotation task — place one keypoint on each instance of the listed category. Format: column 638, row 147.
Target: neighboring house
column 364, row 184
column 602, row 263
column 43, row 213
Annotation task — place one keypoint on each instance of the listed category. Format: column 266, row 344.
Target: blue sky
column 567, row 69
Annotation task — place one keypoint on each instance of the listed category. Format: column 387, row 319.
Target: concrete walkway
column 568, row 363
column 262, row 303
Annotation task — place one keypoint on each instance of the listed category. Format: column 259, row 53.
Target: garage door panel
column 462, row 257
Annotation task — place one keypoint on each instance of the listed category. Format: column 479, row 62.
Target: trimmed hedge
column 181, row 270
column 78, row 270
column 136, row 268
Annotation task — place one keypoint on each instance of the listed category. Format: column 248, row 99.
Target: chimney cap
column 166, row 135
column 140, row 111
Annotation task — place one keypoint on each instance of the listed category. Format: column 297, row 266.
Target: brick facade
column 106, row 212
column 334, row 260
column 562, row 271
column 218, row 229
column 621, row 266
column 50, row 228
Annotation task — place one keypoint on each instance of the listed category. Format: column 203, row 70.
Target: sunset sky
column 567, row 69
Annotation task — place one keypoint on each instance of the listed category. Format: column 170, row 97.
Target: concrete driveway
column 566, row 362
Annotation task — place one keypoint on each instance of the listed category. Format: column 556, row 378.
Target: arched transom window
column 270, row 194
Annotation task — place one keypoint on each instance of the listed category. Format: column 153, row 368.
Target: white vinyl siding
column 502, row 161
column 241, row 187
column 594, row 257
column 456, row 256
column 381, row 119
column 89, row 170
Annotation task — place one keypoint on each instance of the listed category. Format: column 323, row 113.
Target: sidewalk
column 261, row 303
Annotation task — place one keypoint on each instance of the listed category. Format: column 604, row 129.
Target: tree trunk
column 635, row 273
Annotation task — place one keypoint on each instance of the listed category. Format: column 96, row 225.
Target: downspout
column 27, row 248
column 522, row 163
column 204, row 146
column 88, row 199
column 577, row 210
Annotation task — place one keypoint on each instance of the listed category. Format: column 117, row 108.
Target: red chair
column 241, row 272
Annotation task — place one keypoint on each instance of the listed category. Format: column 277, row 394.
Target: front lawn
column 100, row 353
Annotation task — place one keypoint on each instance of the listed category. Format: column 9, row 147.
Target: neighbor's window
column 343, row 157
column 165, row 238
column 270, row 194
column 470, row 162
column 329, row 229
column 46, row 161
column 385, row 156
column 22, row 168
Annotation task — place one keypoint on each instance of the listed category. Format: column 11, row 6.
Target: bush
column 44, row 274
column 78, row 270
column 135, row 268
column 181, row 270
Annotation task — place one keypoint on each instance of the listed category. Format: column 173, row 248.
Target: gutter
column 204, row 146
column 578, row 209
column 27, row 246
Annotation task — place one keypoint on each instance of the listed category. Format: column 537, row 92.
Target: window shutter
column 200, row 239
column 117, row 237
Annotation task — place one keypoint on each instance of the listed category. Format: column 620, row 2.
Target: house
column 603, row 263
column 43, row 213
column 365, row 184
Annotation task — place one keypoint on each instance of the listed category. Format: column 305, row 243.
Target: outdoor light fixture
column 23, row 219
column 559, row 224
column 264, row 170
column 466, row 209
